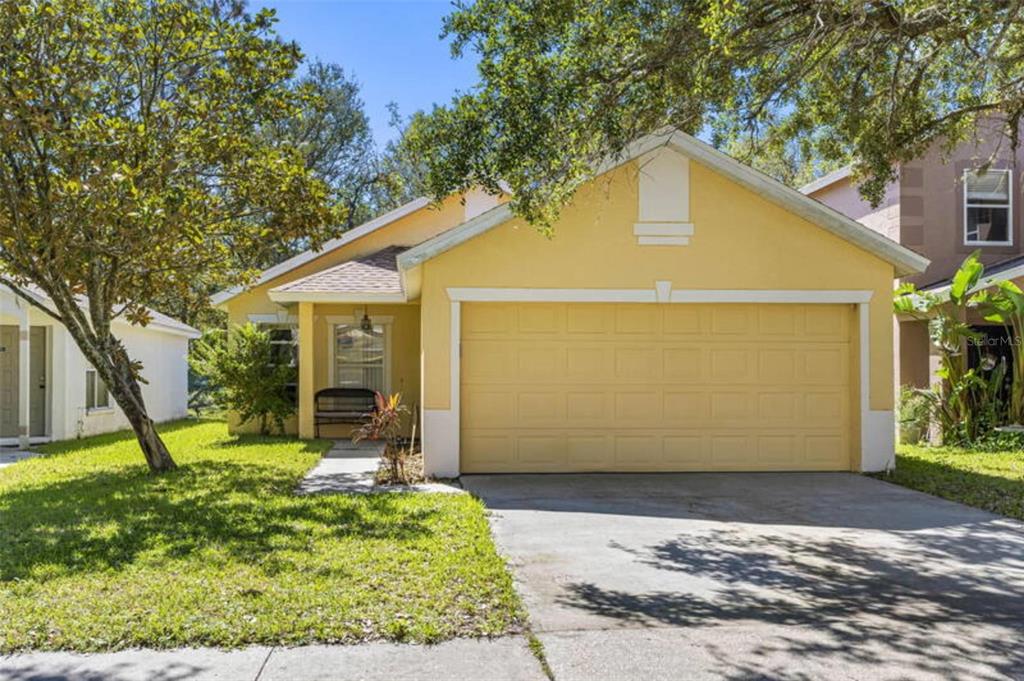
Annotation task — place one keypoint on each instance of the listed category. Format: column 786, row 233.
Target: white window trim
column 100, row 408
column 274, row 318
column 333, row 321
column 1009, row 208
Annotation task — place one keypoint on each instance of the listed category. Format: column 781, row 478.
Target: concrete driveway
column 775, row 576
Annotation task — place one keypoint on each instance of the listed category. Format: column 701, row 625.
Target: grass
column 993, row 481
column 97, row 554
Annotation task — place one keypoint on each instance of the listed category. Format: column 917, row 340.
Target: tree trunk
column 127, row 393
column 153, row 447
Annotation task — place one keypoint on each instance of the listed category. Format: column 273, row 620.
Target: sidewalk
column 9, row 457
column 503, row 659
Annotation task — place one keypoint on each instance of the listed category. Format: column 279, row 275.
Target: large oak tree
column 564, row 83
column 133, row 164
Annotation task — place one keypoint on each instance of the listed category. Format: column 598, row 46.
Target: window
column 988, row 214
column 96, row 395
column 360, row 357
column 285, row 339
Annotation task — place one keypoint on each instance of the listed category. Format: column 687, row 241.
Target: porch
column 349, row 326
column 353, row 345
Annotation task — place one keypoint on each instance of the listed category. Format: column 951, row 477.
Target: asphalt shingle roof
column 373, row 273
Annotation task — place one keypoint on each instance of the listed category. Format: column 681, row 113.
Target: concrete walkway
column 347, row 468
column 504, row 659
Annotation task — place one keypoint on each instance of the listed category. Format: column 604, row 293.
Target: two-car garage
column 683, row 313
column 552, row 387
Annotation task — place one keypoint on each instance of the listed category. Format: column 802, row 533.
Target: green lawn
column 95, row 553
column 993, row 481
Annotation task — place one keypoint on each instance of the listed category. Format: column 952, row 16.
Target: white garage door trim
column 441, row 431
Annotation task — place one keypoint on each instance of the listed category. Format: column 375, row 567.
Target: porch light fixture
column 366, row 324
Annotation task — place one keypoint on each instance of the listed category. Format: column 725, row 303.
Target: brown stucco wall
column 932, row 208
column 924, row 210
column 913, row 354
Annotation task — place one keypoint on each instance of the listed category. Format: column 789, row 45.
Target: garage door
column 675, row 387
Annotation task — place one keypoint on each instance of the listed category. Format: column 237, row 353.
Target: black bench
column 342, row 405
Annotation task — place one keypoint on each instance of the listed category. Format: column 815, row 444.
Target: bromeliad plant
column 967, row 404
column 385, row 423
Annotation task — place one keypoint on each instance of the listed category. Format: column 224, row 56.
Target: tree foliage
column 134, row 164
column 564, row 83
column 333, row 134
column 251, row 379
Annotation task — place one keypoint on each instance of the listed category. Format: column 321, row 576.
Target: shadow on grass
column 993, row 493
column 107, row 519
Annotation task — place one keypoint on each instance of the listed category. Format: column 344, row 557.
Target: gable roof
column 371, row 277
column 307, row 256
column 158, row 320
column 903, row 259
column 827, row 179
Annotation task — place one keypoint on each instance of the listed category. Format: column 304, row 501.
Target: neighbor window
column 359, row 357
column 96, row 395
column 988, row 210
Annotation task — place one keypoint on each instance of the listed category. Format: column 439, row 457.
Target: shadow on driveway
column 761, row 575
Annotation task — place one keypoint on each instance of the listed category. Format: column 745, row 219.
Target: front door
column 37, row 378
column 8, row 380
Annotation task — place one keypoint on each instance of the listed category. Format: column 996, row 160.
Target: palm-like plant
column 968, row 401
column 385, row 423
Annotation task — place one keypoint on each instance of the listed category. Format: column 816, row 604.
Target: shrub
column 914, row 415
column 249, row 377
column 1000, row 442
column 385, row 423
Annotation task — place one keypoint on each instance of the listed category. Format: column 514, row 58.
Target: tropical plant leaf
column 966, row 278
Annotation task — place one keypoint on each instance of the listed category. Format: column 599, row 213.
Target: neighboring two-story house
column 943, row 206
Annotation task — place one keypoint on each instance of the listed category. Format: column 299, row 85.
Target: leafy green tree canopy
column 333, row 135
column 564, row 83
column 134, row 164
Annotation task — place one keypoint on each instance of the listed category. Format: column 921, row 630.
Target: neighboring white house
column 49, row 391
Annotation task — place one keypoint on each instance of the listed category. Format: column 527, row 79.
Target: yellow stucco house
column 689, row 314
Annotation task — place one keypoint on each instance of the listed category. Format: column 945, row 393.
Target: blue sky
column 390, row 46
